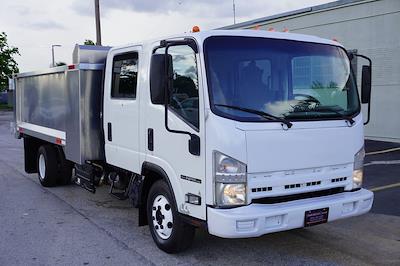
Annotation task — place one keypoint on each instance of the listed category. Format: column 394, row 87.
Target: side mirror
column 366, row 84
column 158, row 77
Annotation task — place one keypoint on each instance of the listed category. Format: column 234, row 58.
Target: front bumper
column 259, row 219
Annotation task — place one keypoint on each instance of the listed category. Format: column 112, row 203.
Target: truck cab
column 243, row 132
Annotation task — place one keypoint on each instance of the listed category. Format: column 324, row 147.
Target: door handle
column 109, row 131
column 150, row 139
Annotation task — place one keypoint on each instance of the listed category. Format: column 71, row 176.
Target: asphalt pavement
column 69, row 226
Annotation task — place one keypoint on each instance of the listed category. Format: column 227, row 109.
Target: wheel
column 65, row 169
column 47, row 165
column 169, row 232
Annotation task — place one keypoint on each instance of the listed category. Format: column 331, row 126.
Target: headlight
column 358, row 173
column 230, row 177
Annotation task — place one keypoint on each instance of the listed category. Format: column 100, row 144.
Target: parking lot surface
column 69, row 226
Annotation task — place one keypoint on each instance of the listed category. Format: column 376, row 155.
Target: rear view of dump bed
column 62, row 105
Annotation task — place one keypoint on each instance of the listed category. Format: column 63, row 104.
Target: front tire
column 47, row 166
column 169, row 232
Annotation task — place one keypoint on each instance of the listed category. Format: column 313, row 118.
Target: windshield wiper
column 323, row 109
column 327, row 110
column 257, row 112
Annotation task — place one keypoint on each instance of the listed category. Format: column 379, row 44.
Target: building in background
column 369, row 27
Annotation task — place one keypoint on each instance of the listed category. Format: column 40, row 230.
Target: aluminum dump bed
column 62, row 105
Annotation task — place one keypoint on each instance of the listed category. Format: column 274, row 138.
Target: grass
column 5, row 107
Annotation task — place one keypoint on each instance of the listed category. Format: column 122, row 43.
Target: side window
column 124, row 76
column 184, row 95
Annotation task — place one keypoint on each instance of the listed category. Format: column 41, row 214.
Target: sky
column 34, row 25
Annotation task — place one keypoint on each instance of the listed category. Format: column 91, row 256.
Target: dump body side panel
column 63, row 105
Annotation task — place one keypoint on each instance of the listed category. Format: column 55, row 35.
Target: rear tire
column 47, row 165
column 65, row 170
column 170, row 233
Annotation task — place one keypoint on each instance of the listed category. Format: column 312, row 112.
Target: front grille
column 314, row 194
column 308, row 184
column 261, row 189
column 340, row 179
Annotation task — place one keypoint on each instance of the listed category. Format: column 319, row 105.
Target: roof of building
column 330, row 5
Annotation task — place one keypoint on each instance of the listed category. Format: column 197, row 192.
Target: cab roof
column 202, row 35
column 265, row 34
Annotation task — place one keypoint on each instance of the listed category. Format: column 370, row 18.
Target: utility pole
column 234, row 12
column 98, row 29
column 53, row 63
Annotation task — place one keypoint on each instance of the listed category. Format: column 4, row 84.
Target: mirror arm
column 365, row 57
column 369, row 104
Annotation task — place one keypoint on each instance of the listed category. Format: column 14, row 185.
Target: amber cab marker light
column 196, row 29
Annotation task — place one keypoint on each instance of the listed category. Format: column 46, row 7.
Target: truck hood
column 306, row 145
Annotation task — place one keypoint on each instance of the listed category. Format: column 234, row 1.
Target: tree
column 8, row 65
column 88, row 42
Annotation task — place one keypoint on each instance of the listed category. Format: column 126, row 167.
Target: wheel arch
column 152, row 173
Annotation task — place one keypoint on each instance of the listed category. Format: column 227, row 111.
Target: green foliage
column 88, row 42
column 5, row 107
column 8, row 65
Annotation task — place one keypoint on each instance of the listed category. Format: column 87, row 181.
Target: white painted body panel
column 305, row 145
column 123, row 151
column 308, row 151
column 259, row 219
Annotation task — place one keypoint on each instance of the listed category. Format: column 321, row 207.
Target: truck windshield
column 288, row 79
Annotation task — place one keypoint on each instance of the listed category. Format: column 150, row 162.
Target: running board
column 121, row 194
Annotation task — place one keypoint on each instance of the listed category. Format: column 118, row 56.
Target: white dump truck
column 242, row 132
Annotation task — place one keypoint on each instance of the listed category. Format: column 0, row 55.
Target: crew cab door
column 169, row 149
column 121, row 108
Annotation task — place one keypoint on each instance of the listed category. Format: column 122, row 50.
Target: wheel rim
column 42, row 167
column 162, row 217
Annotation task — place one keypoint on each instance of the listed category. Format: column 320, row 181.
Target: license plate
column 314, row 217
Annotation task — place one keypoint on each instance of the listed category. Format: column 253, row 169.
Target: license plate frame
column 316, row 216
